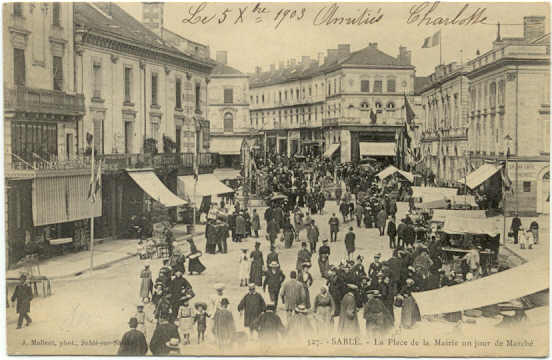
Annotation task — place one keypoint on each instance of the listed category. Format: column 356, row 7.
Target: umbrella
column 278, row 197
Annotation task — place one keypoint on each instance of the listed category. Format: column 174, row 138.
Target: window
column 378, row 86
column 58, row 73
column 35, row 138
column 310, row 91
column 19, row 67
column 285, row 95
column 390, row 105
column 280, row 96
column 198, row 97
column 364, row 105
column 492, row 95
column 128, row 84
column 501, row 92
column 228, row 96
column 527, row 186
column 262, row 98
column 329, row 88
column 391, row 85
column 97, row 79
column 98, row 134
column 251, row 99
column 257, row 99
column 228, row 122
column 335, row 86
column 56, row 14
column 297, row 94
column 378, row 106
column 154, row 95
column 17, row 9
column 365, row 85
column 178, row 93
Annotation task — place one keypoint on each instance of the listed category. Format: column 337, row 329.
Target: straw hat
column 219, row 287
column 274, row 264
column 301, row 308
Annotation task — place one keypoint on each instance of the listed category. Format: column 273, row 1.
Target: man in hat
column 323, row 258
column 175, row 288
column 269, row 325
column 312, row 234
column 391, row 232
column 293, row 294
column 164, row 332
column 378, row 319
column 272, row 255
column 381, row 219
column 240, row 227
column 401, row 233
column 133, row 342
column 334, row 227
column 394, row 264
column 515, row 227
column 23, row 294
column 252, row 304
column 303, row 256
column 359, row 211
column 350, row 243
column 375, row 267
column 255, row 223
column 272, row 229
column 274, row 278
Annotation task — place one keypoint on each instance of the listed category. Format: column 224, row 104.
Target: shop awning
column 225, row 145
column 408, row 176
column 331, row 150
column 478, row 176
column 377, row 149
column 62, row 199
column 150, row 183
column 388, row 171
column 226, row 174
column 421, row 191
column 432, row 204
column 507, row 285
column 207, row 185
column 463, row 200
column 444, row 214
column 464, row 225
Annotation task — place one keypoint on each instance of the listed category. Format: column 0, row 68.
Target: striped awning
column 62, row 199
column 150, row 183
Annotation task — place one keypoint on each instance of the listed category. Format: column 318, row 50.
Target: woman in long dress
column 194, row 265
column 244, row 268
column 324, row 308
column 306, row 278
column 146, row 284
column 257, row 263
column 348, row 319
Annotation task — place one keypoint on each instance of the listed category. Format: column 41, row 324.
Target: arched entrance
column 543, row 191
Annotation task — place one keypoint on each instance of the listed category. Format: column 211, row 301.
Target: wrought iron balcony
column 27, row 99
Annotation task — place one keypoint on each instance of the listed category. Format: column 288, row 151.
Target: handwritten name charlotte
column 423, row 14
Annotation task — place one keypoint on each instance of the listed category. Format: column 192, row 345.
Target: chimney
column 152, row 17
column 332, row 56
column 343, row 50
column 533, row 27
column 281, row 65
column 320, row 58
column 258, row 70
column 222, row 57
column 272, row 67
column 405, row 56
column 373, row 45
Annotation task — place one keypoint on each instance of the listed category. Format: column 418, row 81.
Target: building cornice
column 121, row 45
column 503, row 63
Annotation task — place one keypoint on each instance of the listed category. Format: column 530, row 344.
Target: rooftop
column 369, row 56
column 222, row 69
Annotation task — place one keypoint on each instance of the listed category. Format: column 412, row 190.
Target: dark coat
column 255, row 222
column 240, row 225
column 394, row 264
column 253, row 305
column 273, row 280
column 23, row 294
column 313, row 233
column 391, row 229
column 350, row 241
column 133, row 343
column 269, row 325
column 334, row 224
column 162, row 334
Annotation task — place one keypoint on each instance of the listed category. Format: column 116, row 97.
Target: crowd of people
column 350, row 291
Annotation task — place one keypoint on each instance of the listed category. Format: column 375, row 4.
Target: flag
column 432, row 41
column 373, row 116
column 410, row 114
column 95, row 183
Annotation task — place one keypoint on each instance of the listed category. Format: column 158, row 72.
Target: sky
column 261, row 37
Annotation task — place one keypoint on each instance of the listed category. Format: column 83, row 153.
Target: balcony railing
column 26, row 99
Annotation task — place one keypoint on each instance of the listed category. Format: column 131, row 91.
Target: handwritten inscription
column 425, row 14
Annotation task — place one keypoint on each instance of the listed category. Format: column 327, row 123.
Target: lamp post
column 507, row 143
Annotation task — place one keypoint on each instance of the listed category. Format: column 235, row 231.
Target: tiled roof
column 368, row 56
column 222, row 69
column 420, row 82
column 112, row 21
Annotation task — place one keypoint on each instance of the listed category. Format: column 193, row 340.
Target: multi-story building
column 146, row 106
column 46, row 186
column 444, row 137
column 228, row 112
column 352, row 101
column 510, row 113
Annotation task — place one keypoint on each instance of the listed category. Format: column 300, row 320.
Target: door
column 129, row 135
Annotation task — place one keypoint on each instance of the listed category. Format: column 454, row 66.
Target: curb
column 515, row 254
column 114, row 261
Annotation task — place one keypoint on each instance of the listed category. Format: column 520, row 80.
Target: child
column 244, row 268
column 142, row 317
column 150, row 248
column 141, row 250
column 185, row 321
column 526, row 239
column 201, row 319
column 157, row 294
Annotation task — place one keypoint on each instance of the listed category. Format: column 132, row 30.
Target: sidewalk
column 539, row 251
column 107, row 253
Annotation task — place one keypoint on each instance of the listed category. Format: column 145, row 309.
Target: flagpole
column 440, row 49
column 92, row 204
